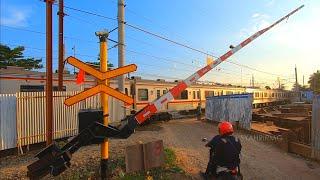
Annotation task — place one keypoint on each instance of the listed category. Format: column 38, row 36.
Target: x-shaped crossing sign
column 100, row 87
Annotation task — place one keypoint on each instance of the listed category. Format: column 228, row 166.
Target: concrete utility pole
column 60, row 68
column 121, row 44
column 103, row 35
column 241, row 75
column 252, row 80
column 74, row 55
column 121, row 53
column 49, row 99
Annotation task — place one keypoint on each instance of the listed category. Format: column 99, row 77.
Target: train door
column 158, row 93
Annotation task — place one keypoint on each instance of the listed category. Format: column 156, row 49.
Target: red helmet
column 225, row 128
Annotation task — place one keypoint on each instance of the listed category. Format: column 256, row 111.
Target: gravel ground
column 259, row 160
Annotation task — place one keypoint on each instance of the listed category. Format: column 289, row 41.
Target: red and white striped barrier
column 175, row 91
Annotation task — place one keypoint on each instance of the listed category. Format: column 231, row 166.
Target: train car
column 266, row 97
column 148, row 90
column 15, row 79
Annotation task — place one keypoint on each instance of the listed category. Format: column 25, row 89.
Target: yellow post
column 104, row 101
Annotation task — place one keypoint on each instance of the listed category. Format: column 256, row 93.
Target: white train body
column 13, row 80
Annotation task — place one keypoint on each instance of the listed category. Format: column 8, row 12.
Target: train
column 16, row 79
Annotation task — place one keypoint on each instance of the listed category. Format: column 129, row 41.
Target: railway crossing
column 59, row 158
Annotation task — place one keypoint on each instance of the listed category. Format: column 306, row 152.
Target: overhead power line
column 167, row 39
column 164, row 38
column 43, row 33
column 88, row 12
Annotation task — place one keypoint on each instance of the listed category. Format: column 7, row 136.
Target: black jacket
column 225, row 151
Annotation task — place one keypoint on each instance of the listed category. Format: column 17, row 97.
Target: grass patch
column 117, row 170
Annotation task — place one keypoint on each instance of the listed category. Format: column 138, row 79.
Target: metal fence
column 27, row 116
column 231, row 108
column 8, row 131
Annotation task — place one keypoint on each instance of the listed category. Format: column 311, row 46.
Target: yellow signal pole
column 103, row 35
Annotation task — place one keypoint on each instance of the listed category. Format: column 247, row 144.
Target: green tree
column 296, row 87
column 267, row 87
column 97, row 64
column 14, row 57
column 314, row 81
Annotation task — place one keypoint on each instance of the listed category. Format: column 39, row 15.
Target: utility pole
column 278, row 83
column 241, row 75
column 303, row 80
column 74, row 55
column 121, row 44
column 60, row 68
column 103, row 35
column 49, row 99
column 121, row 55
column 252, row 80
column 133, row 93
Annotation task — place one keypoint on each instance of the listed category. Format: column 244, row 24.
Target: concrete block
column 153, row 154
column 134, row 158
column 144, row 156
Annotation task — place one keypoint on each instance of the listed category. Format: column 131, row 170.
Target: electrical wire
column 150, row 33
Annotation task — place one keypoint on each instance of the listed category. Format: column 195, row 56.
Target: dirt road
column 259, row 159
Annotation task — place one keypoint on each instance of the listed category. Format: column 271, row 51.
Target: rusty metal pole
column 49, row 109
column 60, row 68
column 103, row 35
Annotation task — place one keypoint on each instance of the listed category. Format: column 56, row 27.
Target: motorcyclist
column 224, row 158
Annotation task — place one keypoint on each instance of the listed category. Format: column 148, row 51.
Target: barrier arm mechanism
column 55, row 160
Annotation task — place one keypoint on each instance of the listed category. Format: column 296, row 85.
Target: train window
column 183, row 95
column 265, row 94
column 194, row 95
column 126, row 91
column 164, row 91
column 229, row 92
column 143, row 94
column 256, row 94
column 208, row 93
column 158, row 93
column 272, row 94
column 198, row 95
column 31, row 88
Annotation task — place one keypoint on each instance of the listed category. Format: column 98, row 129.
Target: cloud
column 258, row 21
column 15, row 16
column 270, row 3
column 255, row 15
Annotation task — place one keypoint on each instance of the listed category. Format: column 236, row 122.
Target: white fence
column 23, row 116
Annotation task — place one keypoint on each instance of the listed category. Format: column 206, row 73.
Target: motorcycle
column 222, row 173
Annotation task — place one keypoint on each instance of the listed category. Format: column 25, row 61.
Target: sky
column 211, row 26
